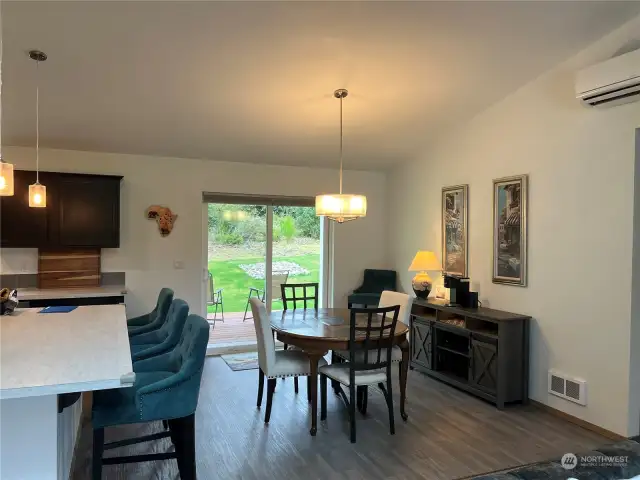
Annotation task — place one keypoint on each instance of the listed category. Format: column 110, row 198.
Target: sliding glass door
column 252, row 249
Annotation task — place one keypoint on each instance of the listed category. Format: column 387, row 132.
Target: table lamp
column 422, row 262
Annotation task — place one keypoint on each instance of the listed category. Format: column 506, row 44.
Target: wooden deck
column 232, row 330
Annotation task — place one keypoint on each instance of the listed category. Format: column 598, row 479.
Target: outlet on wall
column 178, row 264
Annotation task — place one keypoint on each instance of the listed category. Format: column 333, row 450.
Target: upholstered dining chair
column 166, row 388
column 272, row 364
column 387, row 299
column 165, row 338
column 154, row 319
column 370, row 350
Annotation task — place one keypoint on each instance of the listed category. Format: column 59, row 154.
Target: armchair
column 374, row 283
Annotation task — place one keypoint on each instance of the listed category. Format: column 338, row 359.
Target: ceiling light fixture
column 37, row 191
column 341, row 207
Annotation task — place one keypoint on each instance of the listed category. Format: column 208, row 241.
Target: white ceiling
column 253, row 81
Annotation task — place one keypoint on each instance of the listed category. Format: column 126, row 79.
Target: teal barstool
column 154, row 319
column 166, row 388
column 159, row 341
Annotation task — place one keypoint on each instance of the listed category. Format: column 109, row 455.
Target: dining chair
column 166, row 388
column 290, row 295
column 155, row 318
column 387, row 299
column 370, row 350
column 277, row 279
column 165, row 338
column 214, row 297
column 274, row 364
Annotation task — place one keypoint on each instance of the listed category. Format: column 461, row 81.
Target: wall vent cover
column 569, row 388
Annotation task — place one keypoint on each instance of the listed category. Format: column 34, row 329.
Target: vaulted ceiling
column 253, row 81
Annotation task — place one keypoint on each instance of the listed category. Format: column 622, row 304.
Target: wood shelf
column 452, row 350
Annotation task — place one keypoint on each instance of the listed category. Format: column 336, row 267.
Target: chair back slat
column 372, row 332
column 291, row 295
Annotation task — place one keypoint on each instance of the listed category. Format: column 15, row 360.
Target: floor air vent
column 572, row 389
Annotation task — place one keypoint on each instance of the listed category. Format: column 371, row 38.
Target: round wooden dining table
column 318, row 331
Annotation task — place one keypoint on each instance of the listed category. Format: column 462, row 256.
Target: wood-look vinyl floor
column 449, row 434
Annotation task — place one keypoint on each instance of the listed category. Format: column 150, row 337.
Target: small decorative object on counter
column 164, row 217
column 8, row 301
column 422, row 282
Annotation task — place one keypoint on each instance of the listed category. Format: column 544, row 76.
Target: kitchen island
column 43, row 356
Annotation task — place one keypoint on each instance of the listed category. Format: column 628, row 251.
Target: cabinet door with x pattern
column 421, row 343
column 484, row 365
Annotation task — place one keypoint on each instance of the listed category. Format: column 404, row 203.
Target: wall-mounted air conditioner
column 612, row 82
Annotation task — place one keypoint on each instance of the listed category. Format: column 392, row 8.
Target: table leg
column 314, row 358
column 404, row 370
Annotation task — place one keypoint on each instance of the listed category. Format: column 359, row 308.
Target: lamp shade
column 37, row 195
column 6, row 179
column 341, row 207
column 425, row 260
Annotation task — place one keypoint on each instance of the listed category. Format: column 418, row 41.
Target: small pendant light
column 341, row 207
column 6, row 169
column 37, row 191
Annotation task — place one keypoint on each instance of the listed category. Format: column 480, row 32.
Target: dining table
column 317, row 331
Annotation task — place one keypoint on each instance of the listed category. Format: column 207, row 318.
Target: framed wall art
column 510, row 230
column 455, row 237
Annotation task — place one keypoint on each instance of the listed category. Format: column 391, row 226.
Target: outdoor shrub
column 251, row 229
column 288, row 228
column 229, row 238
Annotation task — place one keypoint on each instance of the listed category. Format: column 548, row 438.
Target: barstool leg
column 185, row 446
column 98, row 450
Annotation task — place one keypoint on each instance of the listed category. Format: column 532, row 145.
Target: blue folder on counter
column 58, row 309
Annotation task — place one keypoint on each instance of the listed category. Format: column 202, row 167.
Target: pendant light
column 6, row 169
column 341, row 207
column 37, row 191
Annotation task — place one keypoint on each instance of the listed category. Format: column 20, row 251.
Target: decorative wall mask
column 164, row 217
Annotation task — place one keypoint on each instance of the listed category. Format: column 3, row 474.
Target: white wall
column 580, row 163
column 148, row 258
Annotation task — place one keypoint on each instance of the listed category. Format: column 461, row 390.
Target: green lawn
column 236, row 283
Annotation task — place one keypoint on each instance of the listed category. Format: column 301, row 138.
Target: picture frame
column 455, row 231
column 510, row 203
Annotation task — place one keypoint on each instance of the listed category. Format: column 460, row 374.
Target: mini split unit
column 610, row 83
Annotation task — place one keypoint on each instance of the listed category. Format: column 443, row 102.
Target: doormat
column 241, row 361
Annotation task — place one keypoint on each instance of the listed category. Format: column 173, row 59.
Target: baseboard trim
column 578, row 421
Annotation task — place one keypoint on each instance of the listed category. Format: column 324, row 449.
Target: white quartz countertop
column 55, row 293
column 51, row 353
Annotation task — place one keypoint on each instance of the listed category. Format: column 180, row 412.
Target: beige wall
column 148, row 258
column 580, row 163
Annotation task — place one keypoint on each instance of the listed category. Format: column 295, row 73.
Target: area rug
column 241, row 361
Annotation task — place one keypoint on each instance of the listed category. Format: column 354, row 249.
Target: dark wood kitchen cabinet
column 82, row 211
column 21, row 225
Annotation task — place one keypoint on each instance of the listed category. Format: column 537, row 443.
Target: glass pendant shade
column 6, row 179
column 37, row 195
column 341, row 207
